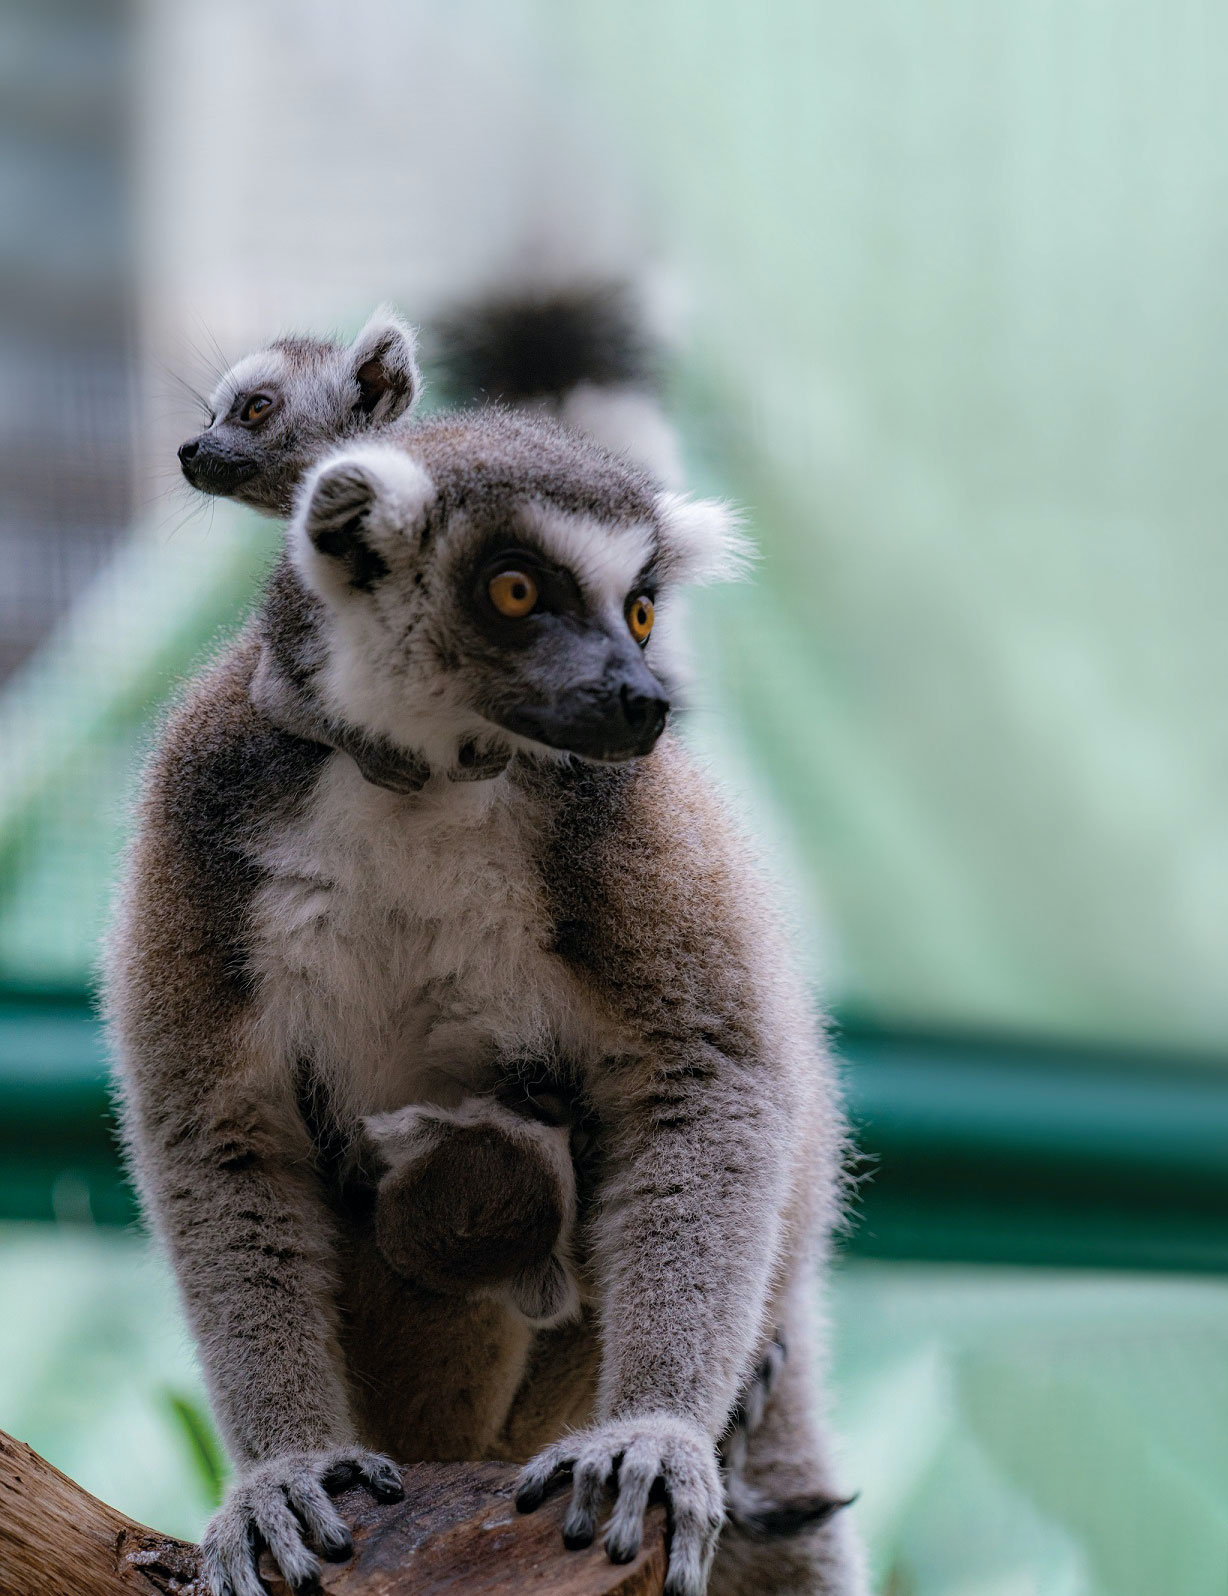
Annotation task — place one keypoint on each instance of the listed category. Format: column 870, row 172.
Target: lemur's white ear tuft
column 703, row 539
column 354, row 510
column 384, row 366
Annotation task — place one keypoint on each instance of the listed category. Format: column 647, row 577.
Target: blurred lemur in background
column 421, row 944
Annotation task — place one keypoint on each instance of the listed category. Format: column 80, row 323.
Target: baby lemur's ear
column 384, row 366
column 356, row 511
column 702, row 539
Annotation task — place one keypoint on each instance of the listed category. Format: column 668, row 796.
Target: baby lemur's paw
column 627, row 1457
column 478, row 1198
column 748, row 1411
column 284, row 1504
column 763, row 1382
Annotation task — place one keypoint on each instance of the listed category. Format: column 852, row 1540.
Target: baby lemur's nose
column 643, row 711
column 189, row 450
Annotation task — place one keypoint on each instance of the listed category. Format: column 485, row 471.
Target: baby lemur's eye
column 640, row 617
column 513, row 593
column 255, row 407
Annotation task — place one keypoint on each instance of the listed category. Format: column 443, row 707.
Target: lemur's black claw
column 337, row 1551
column 387, row 1487
column 529, row 1498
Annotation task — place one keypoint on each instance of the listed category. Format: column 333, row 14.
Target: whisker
column 214, row 361
column 198, row 398
column 226, row 362
column 190, row 513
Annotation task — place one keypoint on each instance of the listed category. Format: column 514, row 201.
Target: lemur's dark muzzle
column 618, row 717
column 210, row 470
column 643, row 713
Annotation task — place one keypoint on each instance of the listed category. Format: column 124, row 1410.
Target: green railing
column 973, row 1150
column 1015, row 1153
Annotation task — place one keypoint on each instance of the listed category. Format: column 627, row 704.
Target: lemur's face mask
column 479, row 604
column 234, row 447
column 551, row 666
column 217, row 464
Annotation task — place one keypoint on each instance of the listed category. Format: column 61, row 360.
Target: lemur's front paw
column 629, row 1456
column 478, row 1198
column 284, row 1504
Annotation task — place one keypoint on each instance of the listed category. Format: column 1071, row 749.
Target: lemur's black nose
column 644, row 712
column 188, row 450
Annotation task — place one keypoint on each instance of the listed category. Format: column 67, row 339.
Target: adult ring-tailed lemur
column 432, row 932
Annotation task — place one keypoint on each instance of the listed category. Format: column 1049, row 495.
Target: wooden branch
column 457, row 1533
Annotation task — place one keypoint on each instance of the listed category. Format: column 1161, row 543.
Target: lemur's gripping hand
column 284, row 1504
column 629, row 1457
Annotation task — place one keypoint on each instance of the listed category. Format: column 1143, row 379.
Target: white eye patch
column 605, row 559
column 262, row 370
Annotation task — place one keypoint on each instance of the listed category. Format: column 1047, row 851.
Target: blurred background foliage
column 943, row 284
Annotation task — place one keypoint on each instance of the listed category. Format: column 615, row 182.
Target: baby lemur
column 335, row 942
column 276, row 412
column 580, row 355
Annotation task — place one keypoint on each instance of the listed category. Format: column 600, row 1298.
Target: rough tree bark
column 457, row 1533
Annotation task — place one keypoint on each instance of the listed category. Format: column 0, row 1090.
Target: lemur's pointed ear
column 335, row 509
column 383, row 363
column 355, row 511
column 702, row 539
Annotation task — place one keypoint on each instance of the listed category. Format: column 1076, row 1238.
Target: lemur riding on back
column 336, row 947
column 579, row 356
column 275, row 413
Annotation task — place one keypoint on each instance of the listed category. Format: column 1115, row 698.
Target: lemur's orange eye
column 640, row 617
column 513, row 593
column 255, row 407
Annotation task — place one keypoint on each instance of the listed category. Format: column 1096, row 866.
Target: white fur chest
column 400, row 942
